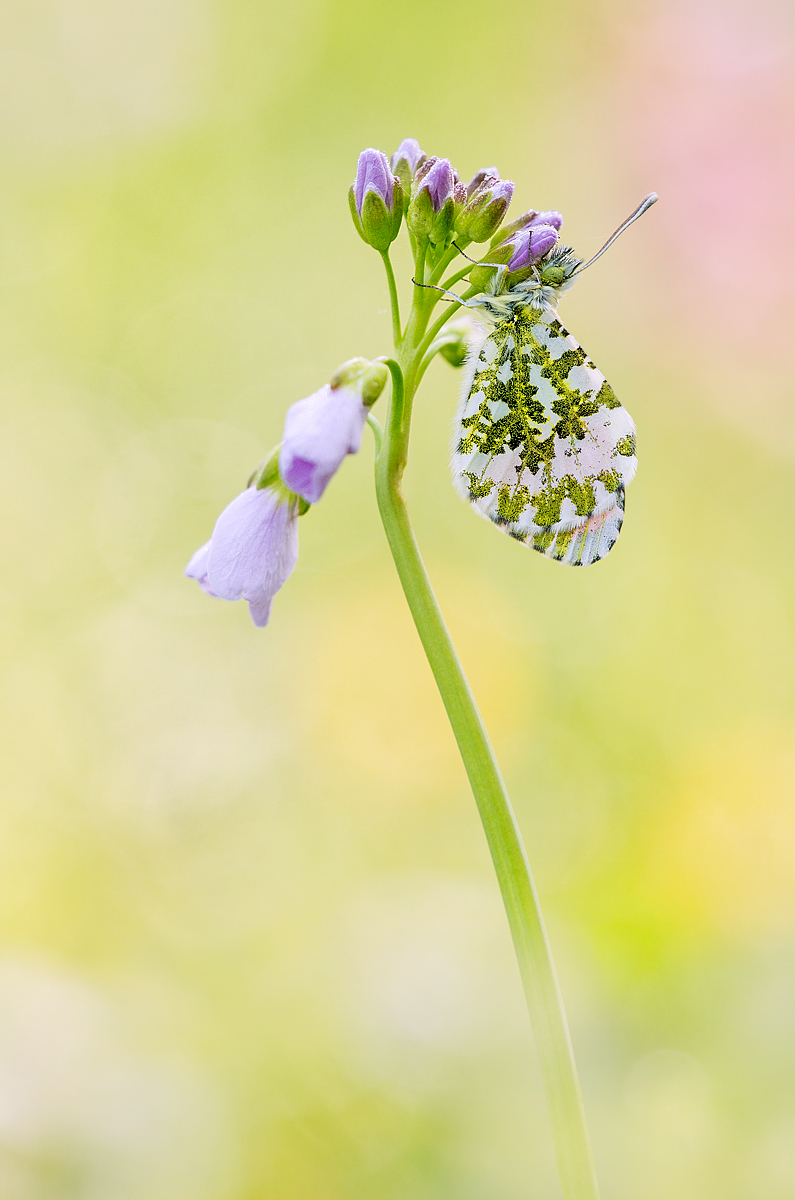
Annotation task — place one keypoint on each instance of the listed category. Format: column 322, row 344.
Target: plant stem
column 397, row 332
column 544, row 1001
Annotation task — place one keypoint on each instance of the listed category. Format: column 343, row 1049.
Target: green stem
column 393, row 299
column 459, row 275
column 544, row 1002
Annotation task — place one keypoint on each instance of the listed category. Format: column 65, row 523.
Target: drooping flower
column 318, row 432
column 376, row 200
column 253, row 549
column 322, row 429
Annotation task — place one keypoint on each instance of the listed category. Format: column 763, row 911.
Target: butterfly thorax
column 540, row 290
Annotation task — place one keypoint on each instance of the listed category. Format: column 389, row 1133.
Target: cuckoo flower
column 486, row 205
column 405, row 161
column 483, row 174
column 376, row 200
column 530, row 245
column 320, row 430
column 435, row 194
column 253, row 549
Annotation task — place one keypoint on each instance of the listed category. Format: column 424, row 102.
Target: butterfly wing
column 542, row 446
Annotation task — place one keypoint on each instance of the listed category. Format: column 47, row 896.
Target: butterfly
column 542, row 447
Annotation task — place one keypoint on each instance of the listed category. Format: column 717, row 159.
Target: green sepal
column 380, row 227
column 354, row 213
column 455, row 351
column 266, row 472
column 362, row 376
column 514, row 226
column 480, row 217
column 481, row 275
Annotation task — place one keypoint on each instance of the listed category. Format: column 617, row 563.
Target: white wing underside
column 576, row 494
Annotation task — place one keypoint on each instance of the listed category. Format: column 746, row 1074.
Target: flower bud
column 519, row 253
column 432, row 208
column 376, row 200
column 530, row 245
column 484, row 210
column 532, row 217
column 483, row 174
column 456, row 347
column 408, row 156
column 362, row 375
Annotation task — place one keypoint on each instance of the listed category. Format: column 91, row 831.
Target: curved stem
column 397, row 332
column 544, row 1002
column 459, row 275
column 438, row 324
column 430, row 355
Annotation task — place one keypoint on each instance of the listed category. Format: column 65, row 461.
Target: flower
column 438, row 181
column 486, row 205
column 318, row 432
column 253, row 549
column 532, row 217
column 405, row 161
column 321, row 429
column 530, row 245
column 483, row 174
column 376, row 200
column 434, row 197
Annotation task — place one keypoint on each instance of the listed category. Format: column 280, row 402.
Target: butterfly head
column 539, row 286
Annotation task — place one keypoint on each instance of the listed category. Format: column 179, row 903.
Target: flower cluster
column 254, row 545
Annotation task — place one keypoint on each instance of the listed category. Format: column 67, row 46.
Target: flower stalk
column 414, row 350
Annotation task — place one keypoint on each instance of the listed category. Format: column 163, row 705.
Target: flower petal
column 260, row 610
column 248, row 544
column 318, row 432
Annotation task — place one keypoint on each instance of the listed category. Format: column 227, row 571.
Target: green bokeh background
column 252, row 946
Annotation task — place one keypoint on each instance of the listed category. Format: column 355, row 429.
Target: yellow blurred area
column 251, row 945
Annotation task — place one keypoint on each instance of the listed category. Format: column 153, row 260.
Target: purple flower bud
column 482, row 175
column 373, row 174
column 438, row 182
column 485, row 209
column 552, row 218
column 318, row 432
column 410, row 153
column 252, row 552
column 376, row 200
column 530, row 245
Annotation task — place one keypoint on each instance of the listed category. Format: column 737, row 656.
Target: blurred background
column 252, row 945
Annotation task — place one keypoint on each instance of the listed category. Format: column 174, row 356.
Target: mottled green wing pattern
column 542, row 446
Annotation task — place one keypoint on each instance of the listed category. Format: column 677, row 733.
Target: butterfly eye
column 553, row 275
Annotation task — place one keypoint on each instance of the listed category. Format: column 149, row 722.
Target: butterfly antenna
column 436, row 288
column 476, row 261
column 645, row 203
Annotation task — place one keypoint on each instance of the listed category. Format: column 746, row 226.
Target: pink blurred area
column 709, row 89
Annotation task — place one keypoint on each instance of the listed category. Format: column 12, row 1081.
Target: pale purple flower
column 480, row 177
column 438, row 181
column 553, row 218
column 410, row 152
column 373, row 174
column 318, row 432
column 252, row 552
column 530, row 245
